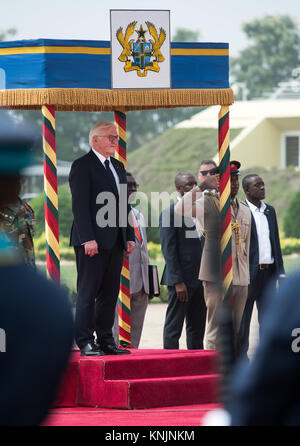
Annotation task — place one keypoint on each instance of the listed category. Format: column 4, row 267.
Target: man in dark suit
column 265, row 392
column 265, row 260
column 100, row 235
column 181, row 241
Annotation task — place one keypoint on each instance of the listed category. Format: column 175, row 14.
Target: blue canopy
column 76, row 75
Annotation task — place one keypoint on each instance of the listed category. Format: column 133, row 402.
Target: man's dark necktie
column 111, row 178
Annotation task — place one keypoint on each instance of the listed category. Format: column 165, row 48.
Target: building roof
column 63, row 169
column 245, row 113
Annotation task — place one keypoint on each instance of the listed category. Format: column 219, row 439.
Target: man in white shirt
column 266, row 264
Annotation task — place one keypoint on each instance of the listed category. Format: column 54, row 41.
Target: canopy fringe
column 85, row 99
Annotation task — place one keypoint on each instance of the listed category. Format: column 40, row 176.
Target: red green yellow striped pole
column 51, row 196
column 124, row 294
column 225, row 203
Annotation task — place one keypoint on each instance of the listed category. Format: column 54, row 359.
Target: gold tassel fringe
column 85, row 99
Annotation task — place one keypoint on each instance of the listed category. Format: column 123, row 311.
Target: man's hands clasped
column 91, row 248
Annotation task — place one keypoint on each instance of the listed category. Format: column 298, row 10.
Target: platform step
column 156, row 366
column 152, row 379
column 149, row 393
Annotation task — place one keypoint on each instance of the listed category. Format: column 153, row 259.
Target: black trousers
column 194, row 314
column 256, row 293
column 98, row 285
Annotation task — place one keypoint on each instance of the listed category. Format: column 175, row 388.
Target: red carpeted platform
column 168, row 416
column 180, row 385
column 143, row 379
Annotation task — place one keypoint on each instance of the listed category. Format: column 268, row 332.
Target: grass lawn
column 291, row 263
column 68, row 273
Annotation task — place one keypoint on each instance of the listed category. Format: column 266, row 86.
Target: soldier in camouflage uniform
column 18, row 220
column 36, row 321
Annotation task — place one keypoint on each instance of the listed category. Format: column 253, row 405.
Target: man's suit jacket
column 39, row 338
column 182, row 254
column 275, row 244
column 265, row 391
column 88, row 178
column 139, row 259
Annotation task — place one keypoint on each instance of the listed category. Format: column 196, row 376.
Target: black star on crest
column 141, row 32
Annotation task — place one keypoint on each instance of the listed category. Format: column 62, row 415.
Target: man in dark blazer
column 265, row 392
column 100, row 235
column 265, row 260
column 181, row 241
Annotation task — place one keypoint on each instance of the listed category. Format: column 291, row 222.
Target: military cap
column 234, row 167
column 16, row 139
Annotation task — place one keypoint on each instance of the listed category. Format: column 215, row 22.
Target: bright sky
column 217, row 21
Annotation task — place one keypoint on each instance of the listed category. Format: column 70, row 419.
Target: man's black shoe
column 91, row 349
column 112, row 349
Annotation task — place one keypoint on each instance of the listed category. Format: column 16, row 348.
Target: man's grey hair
column 207, row 161
column 96, row 127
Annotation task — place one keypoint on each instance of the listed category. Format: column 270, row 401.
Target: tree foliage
column 8, row 33
column 65, row 212
column 291, row 221
column 185, row 35
column 273, row 53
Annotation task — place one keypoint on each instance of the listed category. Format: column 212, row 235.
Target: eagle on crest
column 159, row 40
column 124, row 41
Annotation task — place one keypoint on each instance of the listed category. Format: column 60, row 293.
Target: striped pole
column 225, row 203
column 124, row 294
column 51, row 196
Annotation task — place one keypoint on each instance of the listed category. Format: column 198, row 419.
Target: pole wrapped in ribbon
column 225, row 203
column 124, row 294
column 51, row 195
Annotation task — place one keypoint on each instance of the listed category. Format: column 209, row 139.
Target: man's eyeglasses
column 111, row 138
column 204, row 172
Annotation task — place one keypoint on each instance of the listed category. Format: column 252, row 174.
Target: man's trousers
column 194, row 314
column 213, row 301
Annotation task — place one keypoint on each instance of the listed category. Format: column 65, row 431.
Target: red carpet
column 168, row 416
column 179, row 386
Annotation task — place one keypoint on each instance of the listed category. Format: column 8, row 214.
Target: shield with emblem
column 141, row 52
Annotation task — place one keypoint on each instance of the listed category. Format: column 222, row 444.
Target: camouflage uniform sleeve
column 26, row 221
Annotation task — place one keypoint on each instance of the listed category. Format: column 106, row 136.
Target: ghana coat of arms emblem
column 141, row 54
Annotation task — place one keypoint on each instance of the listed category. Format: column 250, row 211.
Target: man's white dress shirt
column 102, row 159
column 263, row 233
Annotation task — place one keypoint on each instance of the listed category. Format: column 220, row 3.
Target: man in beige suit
column 138, row 269
column 205, row 207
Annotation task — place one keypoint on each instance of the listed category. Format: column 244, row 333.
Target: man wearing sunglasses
column 205, row 169
column 206, row 207
column 96, row 181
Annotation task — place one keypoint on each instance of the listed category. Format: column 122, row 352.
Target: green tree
column 65, row 212
column 273, row 53
column 185, row 35
column 4, row 35
column 291, row 220
column 71, row 131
